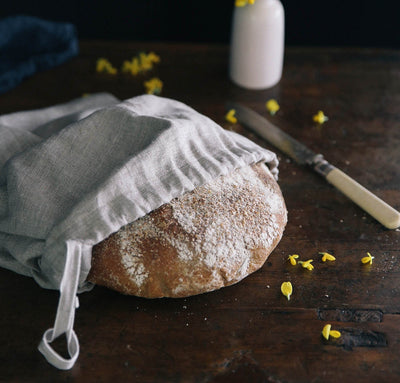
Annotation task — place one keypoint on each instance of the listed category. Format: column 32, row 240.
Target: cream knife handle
column 368, row 201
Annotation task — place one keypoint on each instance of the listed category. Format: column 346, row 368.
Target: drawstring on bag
column 50, row 219
column 67, row 305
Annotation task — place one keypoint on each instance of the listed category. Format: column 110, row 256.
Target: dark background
column 364, row 23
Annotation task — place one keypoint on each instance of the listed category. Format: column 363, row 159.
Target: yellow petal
column 153, row 57
column 126, row 66
column 307, row 264
column 287, row 289
column 272, row 106
column 335, row 334
column 326, row 331
column 112, row 70
column 101, row 64
column 320, row 117
column 230, row 116
column 153, row 86
column 327, row 257
column 292, row 259
column 240, row 3
column 145, row 62
column 135, row 67
column 367, row 259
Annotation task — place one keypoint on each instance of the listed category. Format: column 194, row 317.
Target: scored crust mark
column 211, row 237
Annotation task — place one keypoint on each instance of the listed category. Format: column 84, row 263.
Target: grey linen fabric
column 72, row 174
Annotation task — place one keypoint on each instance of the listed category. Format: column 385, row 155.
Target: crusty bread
column 206, row 239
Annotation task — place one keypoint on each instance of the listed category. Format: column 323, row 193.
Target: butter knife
column 369, row 202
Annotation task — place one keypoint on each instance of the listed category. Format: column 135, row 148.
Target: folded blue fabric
column 29, row 44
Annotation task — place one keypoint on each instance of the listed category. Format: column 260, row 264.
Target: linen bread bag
column 73, row 175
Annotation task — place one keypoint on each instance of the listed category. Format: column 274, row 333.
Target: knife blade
column 369, row 202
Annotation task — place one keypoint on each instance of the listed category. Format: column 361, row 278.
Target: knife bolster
column 321, row 165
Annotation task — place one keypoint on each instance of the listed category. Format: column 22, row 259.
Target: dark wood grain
column 249, row 331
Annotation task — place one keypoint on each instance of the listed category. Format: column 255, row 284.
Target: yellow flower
column 368, row 259
column 153, row 57
column 141, row 63
column 134, row 67
column 327, row 332
column 292, row 259
column 103, row 65
column 240, row 3
column 272, row 106
column 327, row 257
column 145, row 62
column 153, row 86
column 126, row 66
column 320, row 117
column 230, row 116
column 287, row 289
column 307, row 264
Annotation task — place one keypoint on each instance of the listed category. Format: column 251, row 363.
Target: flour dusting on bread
column 234, row 223
column 211, row 237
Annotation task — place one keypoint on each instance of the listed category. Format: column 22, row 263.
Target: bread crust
column 208, row 238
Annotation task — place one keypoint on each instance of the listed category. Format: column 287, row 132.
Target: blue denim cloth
column 29, row 45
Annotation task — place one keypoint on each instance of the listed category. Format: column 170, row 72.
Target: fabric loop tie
column 53, row 357
column 65, row 317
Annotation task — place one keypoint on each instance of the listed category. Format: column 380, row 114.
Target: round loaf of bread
column 206, row 239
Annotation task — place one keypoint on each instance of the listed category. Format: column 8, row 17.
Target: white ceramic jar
column 257, row 44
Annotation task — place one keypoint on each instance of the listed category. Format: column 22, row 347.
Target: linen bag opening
column 74, row 173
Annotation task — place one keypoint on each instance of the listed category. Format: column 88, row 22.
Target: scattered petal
column 287, row 289
column 272, row 106
column 153, row 86
column 143, row 62
column 335, row 334
column 133, row 67
column 126, row 66
column 292, row 259
column 327, row 257
column 103, row 65
column 327, row 332
column 154, row 58
column 320, row 117
column 230, row 116
column 368, row 259
column 307, row 264
column 240, row 3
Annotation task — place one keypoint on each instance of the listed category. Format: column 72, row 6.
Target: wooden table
column 248, row 332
